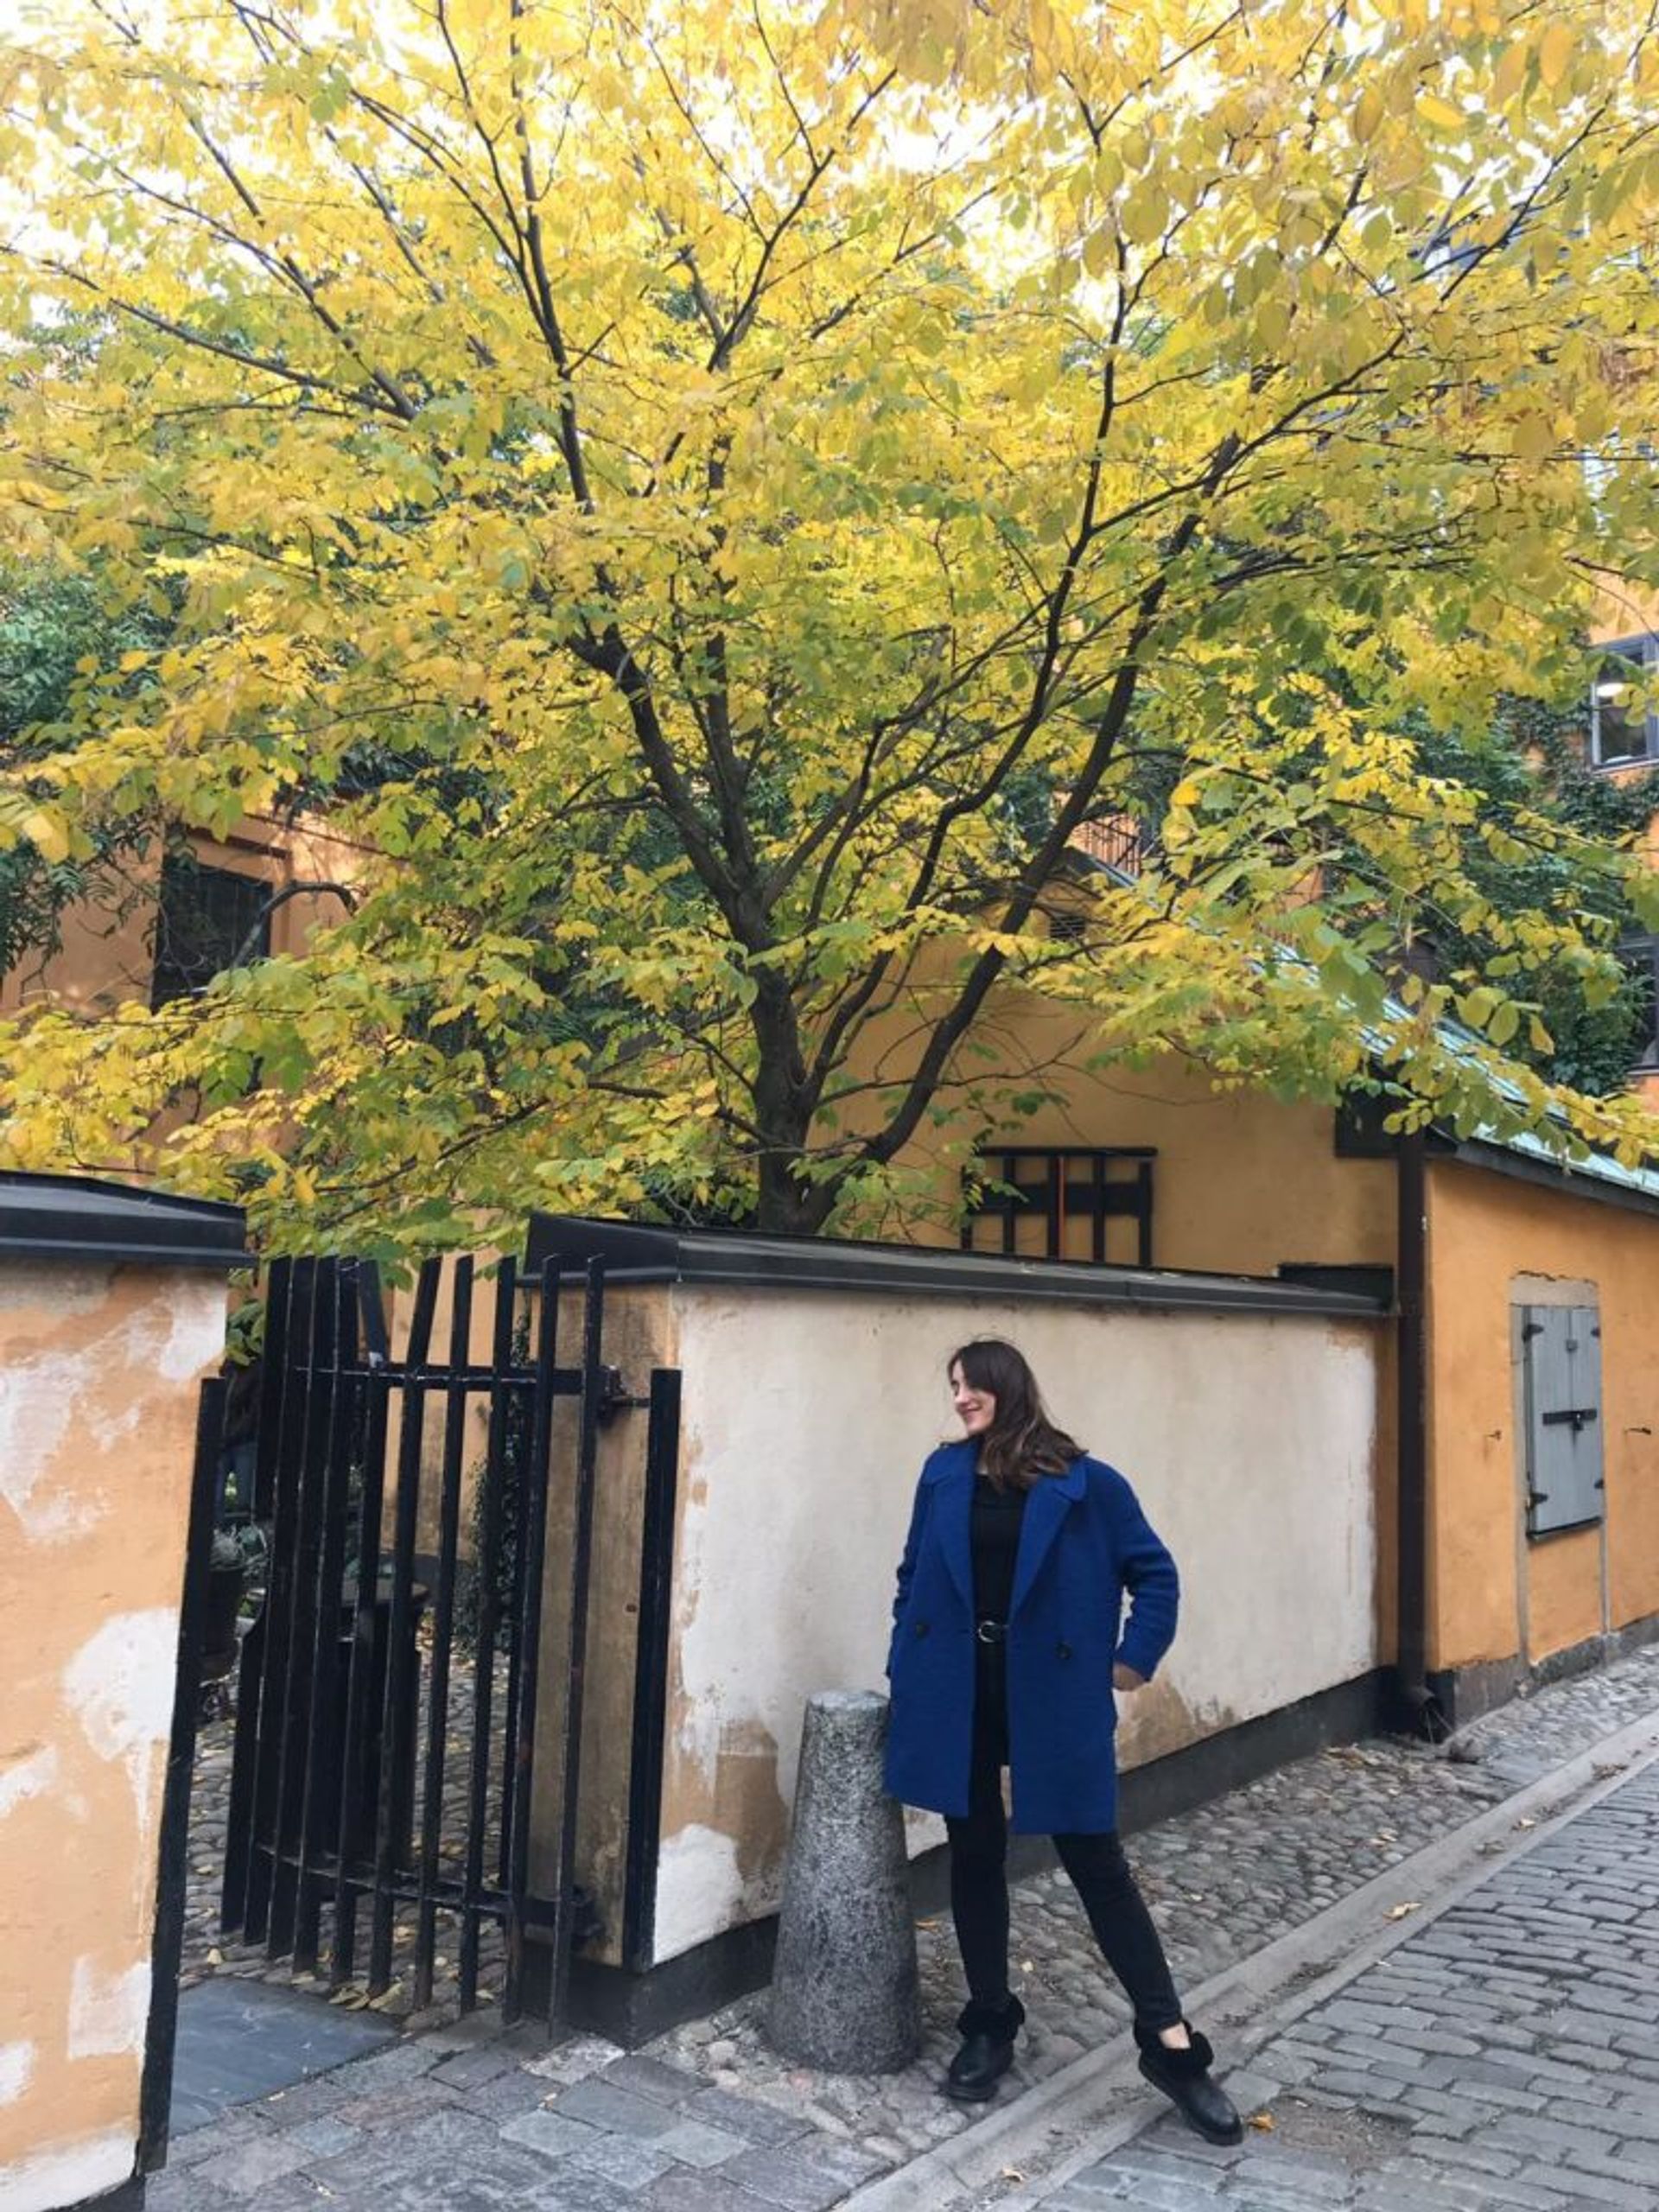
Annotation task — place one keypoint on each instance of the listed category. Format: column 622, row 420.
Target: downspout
column 1420, row 1709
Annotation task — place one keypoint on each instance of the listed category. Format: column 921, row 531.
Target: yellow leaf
column 1185, row 794
column 1400, row 1911
column 1555, row 52
column 1369, row 110
column 1442, row 114
column 1145, row 213
column 48, row 833
column 1263, row 2122
column 1532, row 437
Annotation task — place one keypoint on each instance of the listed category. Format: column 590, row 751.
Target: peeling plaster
column 108, row 2013
column 31, row 1771
column 68, row 2173
column 700, row 1888
column 16, row 2065
column 120, row 1686
column 43, row 1397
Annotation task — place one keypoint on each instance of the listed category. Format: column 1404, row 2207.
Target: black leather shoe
column 988, row 2033
column 1185, row 2078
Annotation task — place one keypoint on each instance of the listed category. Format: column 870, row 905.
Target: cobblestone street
column 1506, row 2059
column 706, row 2120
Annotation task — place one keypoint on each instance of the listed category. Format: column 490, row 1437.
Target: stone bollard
column 844, row 1990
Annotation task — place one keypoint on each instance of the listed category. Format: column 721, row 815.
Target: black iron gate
column 387, row 1698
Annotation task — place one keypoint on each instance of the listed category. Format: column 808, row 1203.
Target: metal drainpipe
column 1420, row 1707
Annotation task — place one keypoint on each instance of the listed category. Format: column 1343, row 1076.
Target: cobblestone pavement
column 206, row 1952
column 708, row 2120
column 1505, row 2059
column 1222, row 1881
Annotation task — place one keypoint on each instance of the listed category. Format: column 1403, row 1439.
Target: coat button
column 1062, row 1651
column 921, row 1628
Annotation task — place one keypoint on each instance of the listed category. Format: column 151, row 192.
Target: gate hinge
column 615, row 1396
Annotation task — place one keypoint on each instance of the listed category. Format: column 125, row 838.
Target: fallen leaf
column 215, row 1958
column 1263, row 2122
column 1526, row 1824
column 1398, row 1911
column 1012, row 2173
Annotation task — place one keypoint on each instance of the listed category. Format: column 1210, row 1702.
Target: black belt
column 991, row 1632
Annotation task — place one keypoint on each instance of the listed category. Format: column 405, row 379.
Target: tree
column 55, row 634
column 743, row 475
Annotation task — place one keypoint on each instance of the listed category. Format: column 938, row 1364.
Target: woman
column 1006, row 1651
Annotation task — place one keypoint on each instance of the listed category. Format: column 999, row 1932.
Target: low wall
column 1251, row 1442
column 98, row 1362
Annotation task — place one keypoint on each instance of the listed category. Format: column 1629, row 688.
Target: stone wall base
column 1466, row 1693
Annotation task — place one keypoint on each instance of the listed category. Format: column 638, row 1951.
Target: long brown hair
column 1022, row 1443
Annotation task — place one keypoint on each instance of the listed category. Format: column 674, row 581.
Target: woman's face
column 975, row 1409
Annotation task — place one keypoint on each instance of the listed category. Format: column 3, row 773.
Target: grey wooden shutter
column 1562, row 1350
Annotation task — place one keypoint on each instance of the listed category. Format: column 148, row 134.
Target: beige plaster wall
column 97, row 1430
column 1252, row 1442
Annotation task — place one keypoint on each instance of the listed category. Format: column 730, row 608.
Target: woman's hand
column 1125, row 1678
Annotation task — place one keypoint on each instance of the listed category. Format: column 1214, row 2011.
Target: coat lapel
column 953, row 1506
column 1050, row 1500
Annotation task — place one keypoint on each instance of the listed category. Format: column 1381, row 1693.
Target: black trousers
column 1099, row 1872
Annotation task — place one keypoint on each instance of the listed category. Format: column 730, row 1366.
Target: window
column 1623, row 725
column 1641, row 957
column 1057, row 1205
column 205, row 917
column 1561, row 1364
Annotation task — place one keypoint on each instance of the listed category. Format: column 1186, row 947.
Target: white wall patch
column 108, row 2013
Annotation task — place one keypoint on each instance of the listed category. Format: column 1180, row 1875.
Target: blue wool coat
column 1084, row 1542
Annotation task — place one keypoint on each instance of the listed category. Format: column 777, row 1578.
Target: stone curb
column 1101, row 2095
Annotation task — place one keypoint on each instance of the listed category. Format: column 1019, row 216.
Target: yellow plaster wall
column 1491, row 1595
column 97, row 1426
column 1243, row 1181
column 107, row 956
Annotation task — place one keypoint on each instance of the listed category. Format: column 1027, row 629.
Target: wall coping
column 80, row 1218
column 735, row 1259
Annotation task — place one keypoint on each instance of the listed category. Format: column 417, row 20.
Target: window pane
column 204, row 918
column 1621, row 725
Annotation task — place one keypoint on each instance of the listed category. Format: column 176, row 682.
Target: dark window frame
column 205, row 915
column 1060, row 1196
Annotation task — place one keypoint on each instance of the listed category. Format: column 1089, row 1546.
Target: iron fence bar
column 377, row 1396
column 324, row 1769
column 487, row 1626
column 393, row 1748
column 279, row 1618
column 437, row 1708
column 651, row 1671
column 161, row 2035
column 530, row 1565
column 251, row 1663
column 515, row 1606
column 298, row 1743
column 581, row 1554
